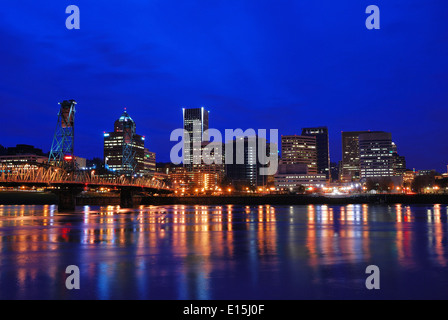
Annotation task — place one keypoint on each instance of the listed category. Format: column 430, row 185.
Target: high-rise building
column 246, row 174
column 195, row 124
column 350, row 170
column 399, row 162
column 322, row 148
column 300, row 149
column 212, row 166
column 124, row 150
column 149, row 163
column 376, row 155
column 334, row 171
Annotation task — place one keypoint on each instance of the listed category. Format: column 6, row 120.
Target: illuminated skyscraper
column 246, row 162
column 322, row 148
column 124, row 150
column 376, row 155
column 399, row 162
column 350, row 170
column 195, row 124
column 300, row 150
column 150, row 163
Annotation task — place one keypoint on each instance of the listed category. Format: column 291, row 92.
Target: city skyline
column 165, row 158
column 223, row 158
column 239, row 61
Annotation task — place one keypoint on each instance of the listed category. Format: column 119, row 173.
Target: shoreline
column 46, row 198
column 299, row 200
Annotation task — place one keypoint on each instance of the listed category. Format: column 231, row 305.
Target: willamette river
column 225, row 252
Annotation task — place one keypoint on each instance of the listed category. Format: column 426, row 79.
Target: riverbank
column 27, row 197
column 299, row 200
column 42, row 198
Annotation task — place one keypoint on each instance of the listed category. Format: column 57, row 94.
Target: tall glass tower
column 195, row 124
column 322, row 148
column 124, row 149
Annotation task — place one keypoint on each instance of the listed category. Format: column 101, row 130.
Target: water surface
column 225, row 252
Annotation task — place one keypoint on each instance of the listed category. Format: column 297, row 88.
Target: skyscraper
column 350, row 170
column 399, row 162
column 149, row 163
column 322, row 148
column 195, row 124
column 247, row 174
column 376, row 155
column 124, row 150
column 300, row 150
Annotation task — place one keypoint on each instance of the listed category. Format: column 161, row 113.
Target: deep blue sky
column 283, row 64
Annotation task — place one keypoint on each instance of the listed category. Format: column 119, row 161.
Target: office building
column 334, row 170
column 292, row 177
column 246, row 173
column 23, row 159
column 350, row 169
column 22, row 155
column 149, row 163
column 322, row 148
column 399, row 162
column 195, row 122
column 300, row 150
column 124, row 149
column 376, row 155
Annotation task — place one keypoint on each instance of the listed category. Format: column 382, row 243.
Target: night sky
column 283, row 64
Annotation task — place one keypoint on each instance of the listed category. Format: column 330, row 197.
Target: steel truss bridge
column 69, row 184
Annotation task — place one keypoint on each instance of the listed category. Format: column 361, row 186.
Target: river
column 224, row 252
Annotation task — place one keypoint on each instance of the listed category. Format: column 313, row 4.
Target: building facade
column 124, row 149
column 149, row 163
column 300, row 150
column 244, row 169
column 195, row 121
column 376, row 152
column 292, row 177
column 399, row 162
column 350, row 169
column 322, row 148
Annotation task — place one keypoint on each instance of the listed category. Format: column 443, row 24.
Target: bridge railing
column 53, row 175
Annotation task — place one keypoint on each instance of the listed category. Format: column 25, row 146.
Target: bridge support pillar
column 67, row 199
column 127, row 198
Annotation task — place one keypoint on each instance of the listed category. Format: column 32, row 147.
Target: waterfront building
column 149, row 163
column 124, row 149
column 246, row 174
column 334, row 171
column 350, row 169
column 195, row 121
column 23, row 159
column 292, row 177
column 322, row 148
column 300, row 150
column 399, row 162
column 23, row 154
column 376, row 155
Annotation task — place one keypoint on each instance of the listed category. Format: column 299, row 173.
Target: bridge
column 68, row 184
column 62, row 176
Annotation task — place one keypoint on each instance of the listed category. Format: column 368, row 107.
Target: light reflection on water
column 224, row 252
